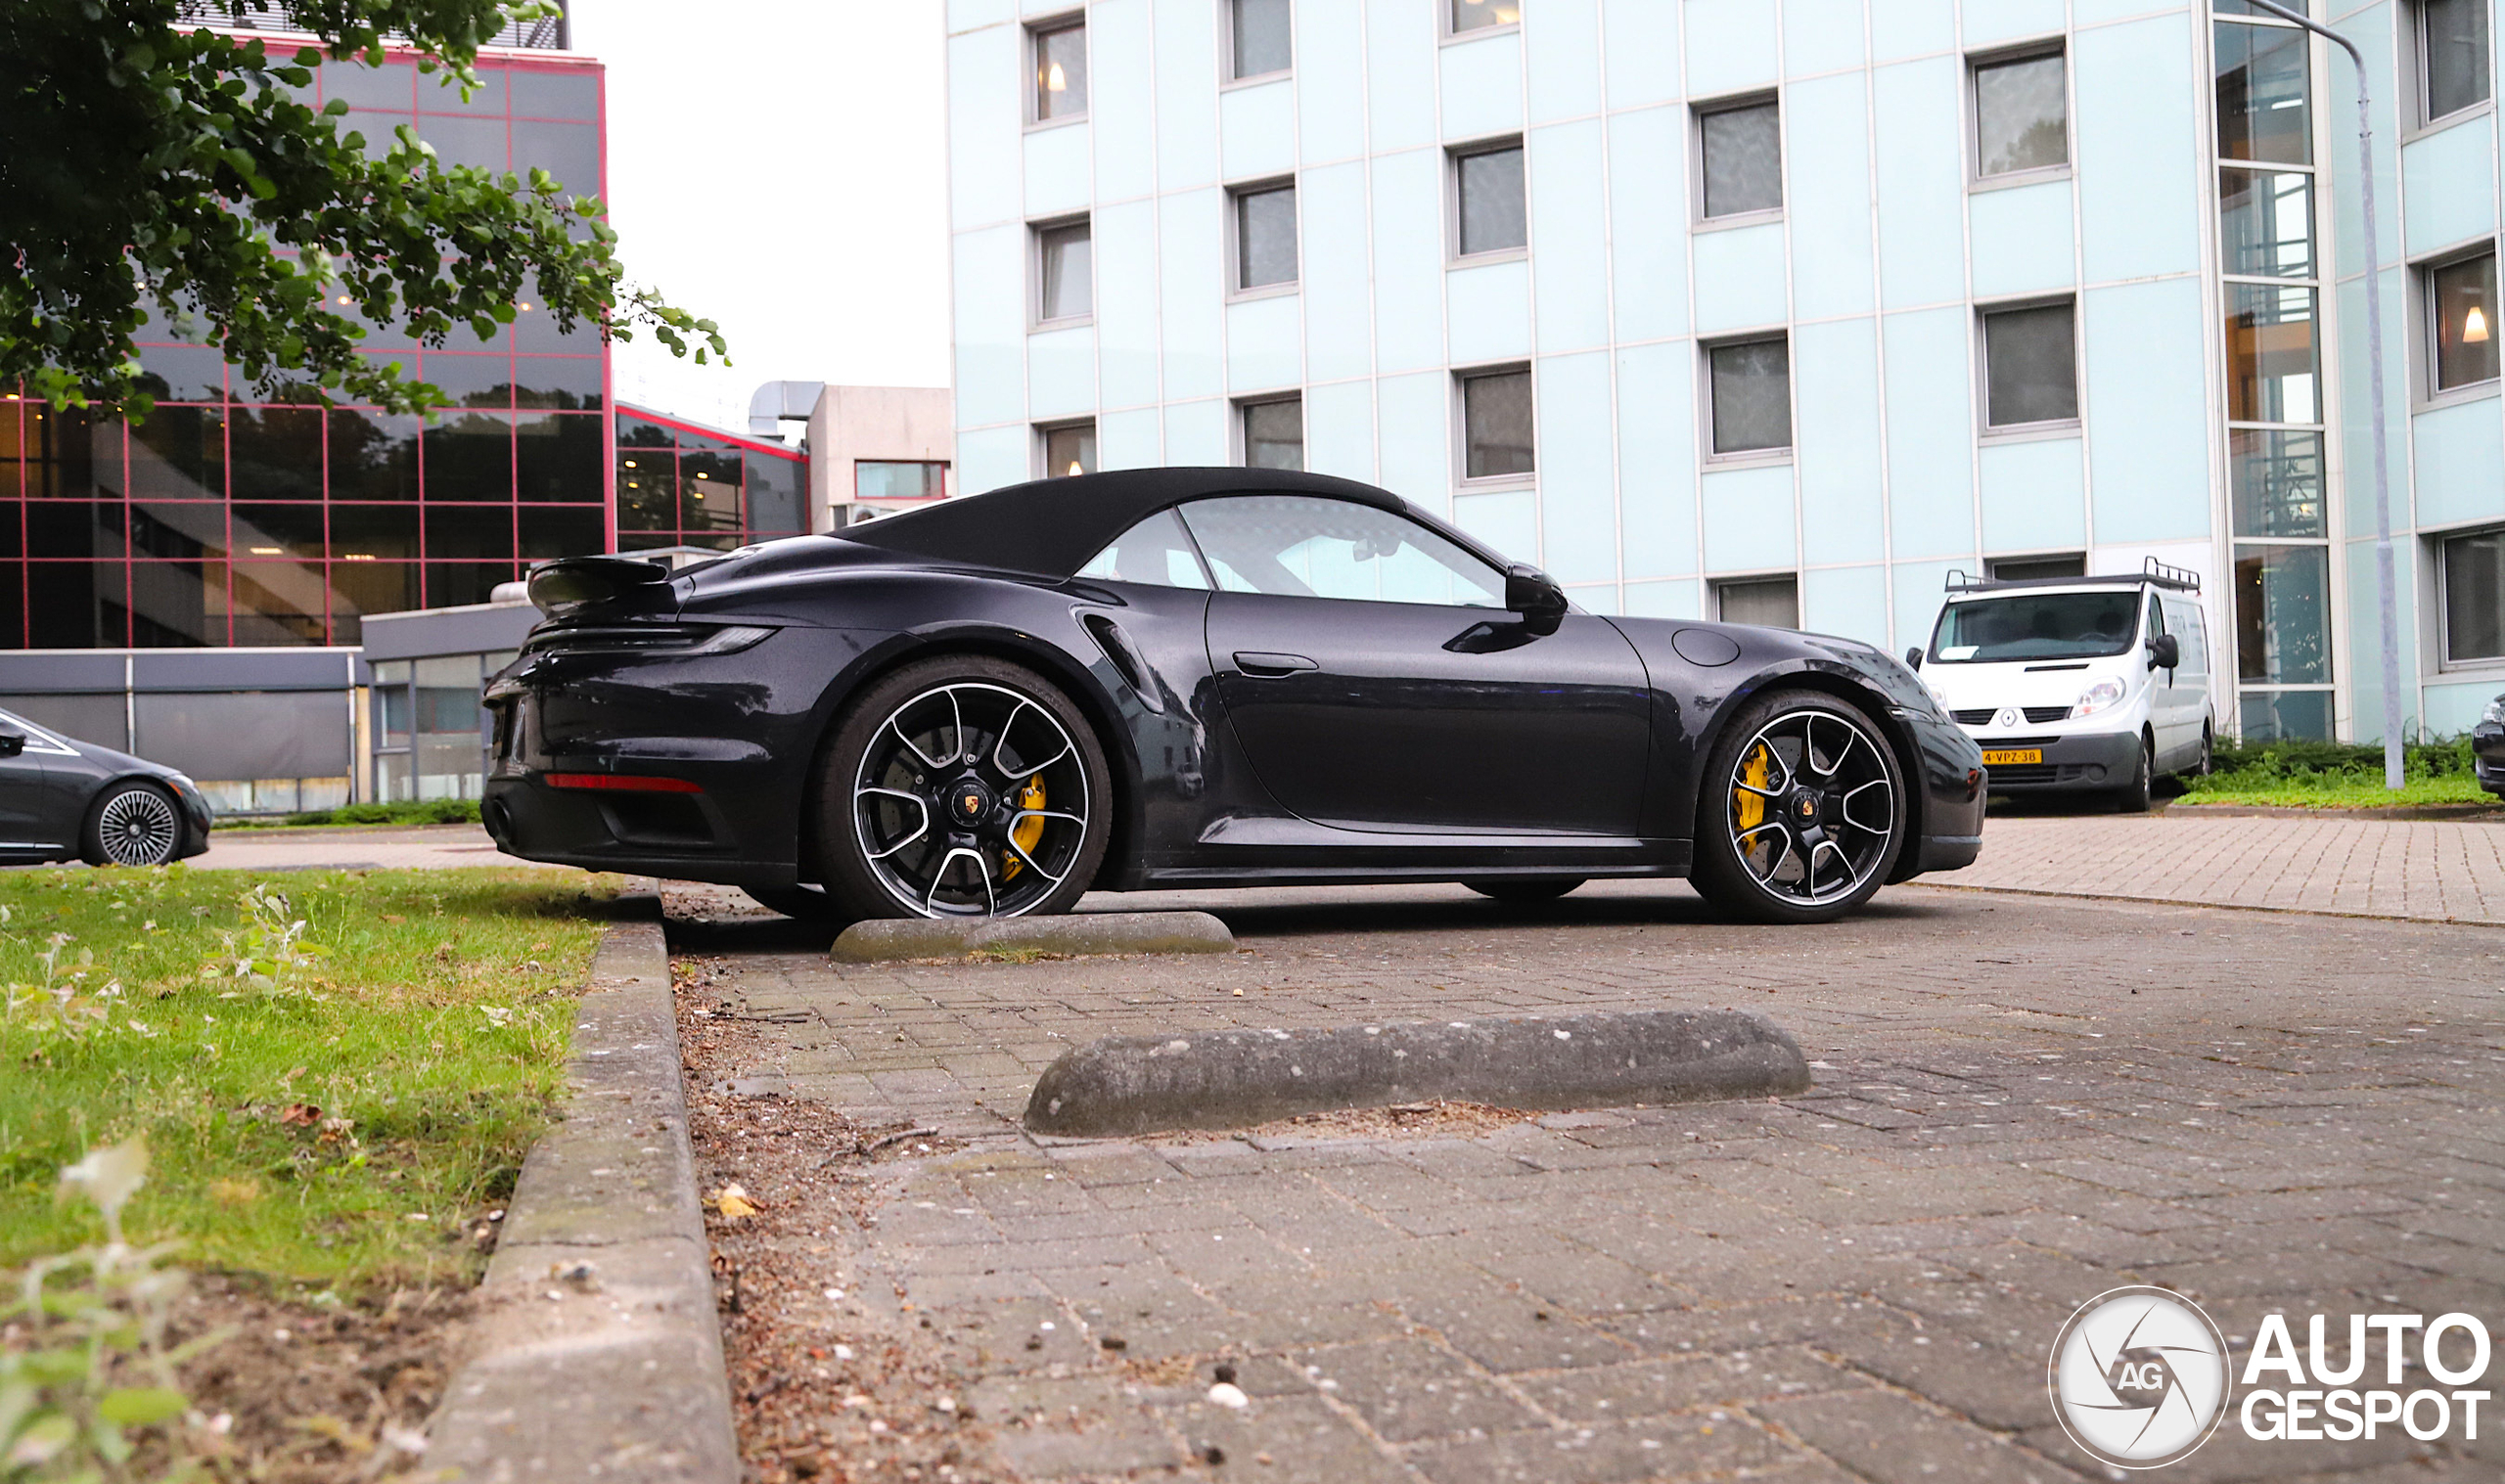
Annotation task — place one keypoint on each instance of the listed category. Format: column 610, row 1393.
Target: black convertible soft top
column 1052, row 526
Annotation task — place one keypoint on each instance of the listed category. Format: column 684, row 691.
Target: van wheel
column 2208, row 762
column 2133, row 796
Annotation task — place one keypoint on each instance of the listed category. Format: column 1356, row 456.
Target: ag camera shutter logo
column 2139, row 1378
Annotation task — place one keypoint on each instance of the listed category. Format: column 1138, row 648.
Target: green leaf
column 141, row 1406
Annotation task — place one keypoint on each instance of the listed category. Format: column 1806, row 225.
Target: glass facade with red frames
column 679, row 484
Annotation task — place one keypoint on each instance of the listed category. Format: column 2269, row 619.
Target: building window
column 1743, row 150
column 2039, row 568
column 2452, row 56
column 1067, row 278
column 2283, row 614
column 2265, row 108
column 2474, row 584
column 2270, row 355
column 2265, row 222
column 1773, row 603
column 1060, row 71
column 1488, row 187
column 899, row 479
column 1477, row 14
column 1265, row 236
column 1274, row 433
column 2461, row 307
column 1496, row 424
column 2274, row 479
column 1069, row 448
column 2031, row 366
column 1752, row 396
column 1262, row 34
column 2021, row 115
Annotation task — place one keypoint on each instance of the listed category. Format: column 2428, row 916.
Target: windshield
column 2036, row 626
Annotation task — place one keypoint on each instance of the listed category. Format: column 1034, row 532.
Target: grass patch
column 299, row 1127
column 437, row 811
column 2311, row 775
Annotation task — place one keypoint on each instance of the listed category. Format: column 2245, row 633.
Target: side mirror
column 2166, row 651
column 1535, row 596
column 12, row 743
column 1913, row 658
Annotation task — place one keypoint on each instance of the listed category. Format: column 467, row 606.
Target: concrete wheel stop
column 883, row 940
column 1227, row 1079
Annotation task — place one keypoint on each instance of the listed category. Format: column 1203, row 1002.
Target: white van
column 2077, row 684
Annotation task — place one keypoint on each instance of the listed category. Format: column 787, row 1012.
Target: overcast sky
column 779, row 166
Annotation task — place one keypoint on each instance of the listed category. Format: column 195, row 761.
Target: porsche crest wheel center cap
column 969, row 800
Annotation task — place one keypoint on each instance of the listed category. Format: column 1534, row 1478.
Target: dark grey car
column 62, row 799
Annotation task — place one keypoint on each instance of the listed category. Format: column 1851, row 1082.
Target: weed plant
column 2337, row 774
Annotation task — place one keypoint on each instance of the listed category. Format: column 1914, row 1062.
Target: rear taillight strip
column 619, row 782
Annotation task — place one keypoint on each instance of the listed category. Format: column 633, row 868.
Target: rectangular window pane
column 2475, row 597
column 1752, row 396
column 374, row 533
column 1069, row 278
column 2265, row 222
column 278, row 530
column 1496, row 424
column 877, row 479
column 2462, row 297
column 1061, row 72
column 183, row 373
column 1261, row 38
column 1069, row 450
column 2283, row 614
column 2030, row 362
column 276, row 453
column 552, row 533
column 1774, row 603
column 2275, row 480
column 2287, row 715
column 469, row 457
column 2022, row 115
column 1472, row 15
column 1274, row 434
column 2270, row 355
column 1743, row 159
column 178, row 454
column 709, row 491
column 374, row 455
column 2453, row 34
column 1492, row 217
column 1265, row 237
column 647, row 489
column 2263, row 106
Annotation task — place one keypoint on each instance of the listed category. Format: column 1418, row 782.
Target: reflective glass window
column 374, row 455
column 392, row 85
column 556, row 458
column 187, row 530
column 276, row 530
column 362, row 533
column 478, row 143
column 554, row 92
column 183, row 373
column 177, row 605
column 2265, row 222
column 2275, row 482
column 1477, row 14
column 2475, row 597
column 569, row 152
column 571, row 383
column 1067, row 275
column 77, row 606
column 1752, row 396
column 2022, row 115
column 469, row 457
column 83, row 528
column 1262, row 34
column 2461, row 299
column 1300, row 545
column 1773, row 603
column 60, row 457
column 1494, row 216
column 899, row 479
column 453, row 584
column 647, row 489
column 276, row 602
column 2283, row 614
column 709, row 491
column 1265, row 237
column 1070, row 449
column 2269, row 716
column 2452, row 52
column 2270, row 355
column 468, row 534
column 438, row 92
column 2264, row 109
column 1155, row 552
column 1274, row 433
column 1061, row 71
column 359, row 588
column 275, row 452
column 775, row 494
column 561, row 531
column 2031, row 366
column 472, row 379
column 1496, row 423
column 1743, row 150
column 179, row 454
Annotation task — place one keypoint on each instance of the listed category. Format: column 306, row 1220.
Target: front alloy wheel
column 1803, row 811
column 135, row 825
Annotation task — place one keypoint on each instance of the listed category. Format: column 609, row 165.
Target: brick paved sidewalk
column 2019, row 1103
column 379, row 849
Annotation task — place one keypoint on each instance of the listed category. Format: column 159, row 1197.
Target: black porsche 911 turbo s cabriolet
column 1197, row 677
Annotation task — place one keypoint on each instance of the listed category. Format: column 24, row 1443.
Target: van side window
column 2157, row 617
column 2194, row 636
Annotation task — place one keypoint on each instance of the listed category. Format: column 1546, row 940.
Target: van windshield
column 2036, row 626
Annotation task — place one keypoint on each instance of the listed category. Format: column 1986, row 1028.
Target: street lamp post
column 2386, row 584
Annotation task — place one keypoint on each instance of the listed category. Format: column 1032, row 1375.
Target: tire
column 2209, row 761
column 930, row 804
column 1767, row 819
column 805, row 904
column 2133, row 796
column 1520, row 889
column 134, row 823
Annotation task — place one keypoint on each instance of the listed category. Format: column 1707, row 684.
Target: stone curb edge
column 2058, row 895
column 597, row 1351
column 883, row 939
column 1133, row 1085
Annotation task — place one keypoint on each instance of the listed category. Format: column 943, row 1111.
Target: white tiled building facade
column 1774, row 309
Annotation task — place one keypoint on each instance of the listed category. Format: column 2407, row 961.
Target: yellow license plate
column 2010, row 757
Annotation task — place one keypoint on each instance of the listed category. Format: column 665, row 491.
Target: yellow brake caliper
column 1749, row 809
column 1027, row 831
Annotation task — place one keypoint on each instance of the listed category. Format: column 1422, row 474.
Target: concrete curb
column 886, row 938
column 1237, row 1078
column 597, row 1353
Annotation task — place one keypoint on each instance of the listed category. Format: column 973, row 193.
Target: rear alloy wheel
column 1803, row 811
column 1517, row 891
column 134, row 824
column 963, row 787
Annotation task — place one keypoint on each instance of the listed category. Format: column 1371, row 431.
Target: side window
column 1299, row 546
column 2185, row 624
column 2157, row 619
column 1155, row 552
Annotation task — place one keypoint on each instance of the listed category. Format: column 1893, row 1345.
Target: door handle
column 1266, row 665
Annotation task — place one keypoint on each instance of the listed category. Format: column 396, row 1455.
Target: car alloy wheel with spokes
column 137, row 825
column 967, row 788
column 1803, row 811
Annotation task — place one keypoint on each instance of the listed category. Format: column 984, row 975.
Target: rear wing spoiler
column 2152, row 573
column 570, row 583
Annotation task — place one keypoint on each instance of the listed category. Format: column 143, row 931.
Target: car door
column 26, row 828
column 2165, row 695
column 1375, row 681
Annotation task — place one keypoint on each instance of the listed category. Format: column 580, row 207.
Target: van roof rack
column 2152, row 573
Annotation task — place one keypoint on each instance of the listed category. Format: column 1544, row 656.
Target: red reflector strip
column 620, row 783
